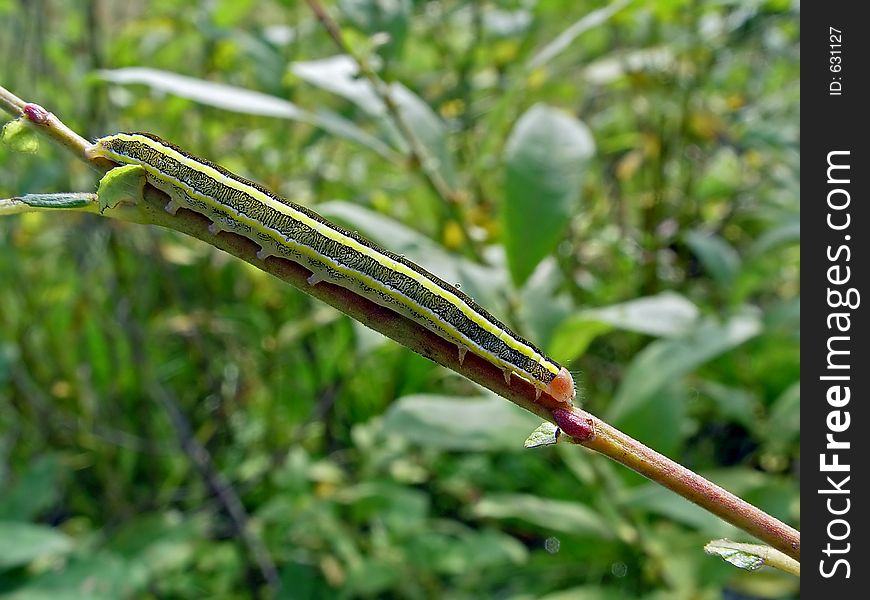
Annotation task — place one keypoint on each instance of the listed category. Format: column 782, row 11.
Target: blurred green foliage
column 620, row 184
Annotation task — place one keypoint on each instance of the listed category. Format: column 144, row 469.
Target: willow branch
column 580, row 426
column 595, row 434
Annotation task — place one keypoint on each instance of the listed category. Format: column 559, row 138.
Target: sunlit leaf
column 240, row 100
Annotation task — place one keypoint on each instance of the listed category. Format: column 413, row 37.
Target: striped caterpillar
column 287, row 230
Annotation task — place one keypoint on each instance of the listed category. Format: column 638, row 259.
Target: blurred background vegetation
column 619, row 182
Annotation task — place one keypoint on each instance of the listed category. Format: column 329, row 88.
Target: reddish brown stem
column 624, row 449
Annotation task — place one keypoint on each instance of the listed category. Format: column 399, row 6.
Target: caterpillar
column 287, row 230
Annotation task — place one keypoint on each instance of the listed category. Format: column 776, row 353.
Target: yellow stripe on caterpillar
column 333, row 254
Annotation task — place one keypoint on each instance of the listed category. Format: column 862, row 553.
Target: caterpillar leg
column 172, row 207
column 263, row 253
column 462, row 352
column 315, row 279
column 507, row 375
column 215, row 228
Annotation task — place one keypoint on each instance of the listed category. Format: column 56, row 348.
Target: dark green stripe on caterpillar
column 284, row 229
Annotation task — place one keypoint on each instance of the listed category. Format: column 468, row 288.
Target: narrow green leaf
column 211, row 93
column 241, row 100
column 556, row 515
column 545, row 159
column 60, row 201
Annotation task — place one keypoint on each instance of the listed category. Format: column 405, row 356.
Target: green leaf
column 35, row 491
column 786, row 232
column 20, row 137
column 340, row 75
column 468, row 549
column 719, row 258
column 664, row 315
column 723, row 177
column 539, row 307
column 784, row 421
column 20, row 543
column 378, row 16
column 403, row 509
column 543, row 435
column 121, row 185
column 545, row 159
column 60, row 201
column 564, row 39
column 451, row 423
column 159, row 542
column 655, row 499
column 665, row 361
column 732, row 403
column 244, row 101
column 97, row 576
column 226, row 13
column 556, row 515
column 573, row 337
column 210, row 93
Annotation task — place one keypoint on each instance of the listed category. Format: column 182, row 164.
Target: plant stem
column 626, row 450
column 585, row 428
